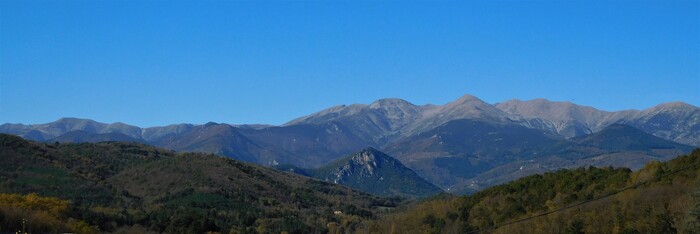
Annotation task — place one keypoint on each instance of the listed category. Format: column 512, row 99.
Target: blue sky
column 152, row 63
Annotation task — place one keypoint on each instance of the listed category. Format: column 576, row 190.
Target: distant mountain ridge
column 307, row 145
column 388, row 119
column 83, row 136
column 464, row 143
column 676, row 121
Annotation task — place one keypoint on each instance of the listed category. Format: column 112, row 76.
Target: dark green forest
column 127, row 187
column 135, row 188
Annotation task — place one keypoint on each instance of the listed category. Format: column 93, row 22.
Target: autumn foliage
column 35, row 214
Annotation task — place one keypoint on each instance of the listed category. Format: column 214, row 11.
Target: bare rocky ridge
column 676, row 121
column 566, row 118
column 372, row 171
column 386, row 120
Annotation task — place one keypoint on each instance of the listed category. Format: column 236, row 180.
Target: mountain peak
column 372, row 171
column 541, row 102
column 64, row 119
column 74, row 120
column 676, row 110
column 389, row 102
column 210, row 124
column 370, row 156
column 469, row 103
column 467, row 98
column 370, row 150
column 674, row 105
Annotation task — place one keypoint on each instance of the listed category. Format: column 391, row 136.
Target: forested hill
column 660, row 198
column 132, row 187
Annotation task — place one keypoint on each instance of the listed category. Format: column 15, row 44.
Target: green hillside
column 135, row 188
column 656, row 199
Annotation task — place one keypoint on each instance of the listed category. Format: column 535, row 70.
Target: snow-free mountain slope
column 378, row 122
column 375, row 172
column 619, row 137
column 224, row 139
column 568, row 119
column 676, row 121
column 41, row 132
column 312, row 144
column 465, row 107
column 461, row 149
column 83, row 136
column 386, row 120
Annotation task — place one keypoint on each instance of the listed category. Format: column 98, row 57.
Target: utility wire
column 585, row 202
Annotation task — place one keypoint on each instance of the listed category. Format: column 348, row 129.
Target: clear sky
column 150, row 63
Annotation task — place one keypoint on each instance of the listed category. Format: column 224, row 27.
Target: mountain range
column 461, row 146
column 676, row 121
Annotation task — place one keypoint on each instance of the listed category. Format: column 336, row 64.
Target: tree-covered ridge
column 655, row 199
column 128, row 187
